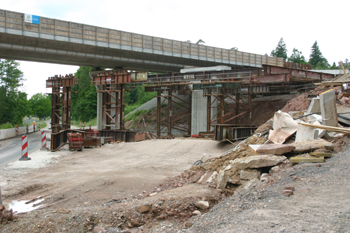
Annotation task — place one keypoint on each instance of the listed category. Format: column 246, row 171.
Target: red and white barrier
column 34, row 128
column 27, row 129
column 24, row 148
column 43, row 140
column 17, row 130
column 39, row 127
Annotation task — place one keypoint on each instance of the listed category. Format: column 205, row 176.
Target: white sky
column 252, row 26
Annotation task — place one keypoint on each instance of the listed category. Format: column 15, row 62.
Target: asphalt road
column 12, row 150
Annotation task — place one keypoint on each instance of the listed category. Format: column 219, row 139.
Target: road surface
column 12, row 147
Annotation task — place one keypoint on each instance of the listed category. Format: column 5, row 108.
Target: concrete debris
column 213, row 177
column 306, row 146
column 283, row 127
column 144, row 209
column 222, row 180
column 152, row 194
column 275, row 149
column 205, row 177
column 264, row 177
column 249, row 174
column 196, row 212
column 328, row 108
column 328, row 128
column 314, row 106
column 251, row 184
column 257, row 161
column 202, row 205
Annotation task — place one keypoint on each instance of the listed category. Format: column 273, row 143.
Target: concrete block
column 328, row 108
column 314, row 106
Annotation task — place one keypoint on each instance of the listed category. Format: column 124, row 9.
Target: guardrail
column 10, row 133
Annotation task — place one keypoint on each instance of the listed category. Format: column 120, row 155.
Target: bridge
column 41, row 39
column 212, row 79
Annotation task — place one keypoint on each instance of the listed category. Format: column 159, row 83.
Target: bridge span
column 42, row 39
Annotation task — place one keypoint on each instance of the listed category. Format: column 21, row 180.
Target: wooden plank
column 321, row 154
column 307, row 159
column 328, row 128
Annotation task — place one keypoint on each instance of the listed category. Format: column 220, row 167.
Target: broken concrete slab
column 275, row 149
column 305, row 134
column 222, row 180
column 344, row 111
column 307, row 159
column 249, row 174
column 213, row 177
column 204, row 177
column 314, row 106
column 306, row 146
column 328, row 108
column 257, row 161
column 283, row 127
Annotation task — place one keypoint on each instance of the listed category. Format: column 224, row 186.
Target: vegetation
column 280, row 50
column 40, row 105
column 13, row 103
column 317, row 61
column 84, row 104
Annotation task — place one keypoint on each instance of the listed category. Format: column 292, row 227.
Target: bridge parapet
column 63, row 31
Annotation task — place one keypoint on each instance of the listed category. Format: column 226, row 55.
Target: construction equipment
column 75, row 141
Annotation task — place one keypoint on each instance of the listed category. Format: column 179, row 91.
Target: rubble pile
column 306, row 130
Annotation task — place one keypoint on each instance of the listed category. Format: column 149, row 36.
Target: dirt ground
column 98, row 178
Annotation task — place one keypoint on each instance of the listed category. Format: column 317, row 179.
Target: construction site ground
column 98, row 181
column 151, row 186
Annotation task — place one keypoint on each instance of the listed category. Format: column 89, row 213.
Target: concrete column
column 199, row 112
column 99, row 108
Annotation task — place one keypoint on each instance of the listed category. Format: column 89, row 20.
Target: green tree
column 40, row 104
column 13, row 103
column 84, row 101
column 316, row 59
column 297, row 57
column 281, row 50
column 200, row 41
column 334, row 66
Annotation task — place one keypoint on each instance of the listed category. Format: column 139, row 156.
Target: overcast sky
column 253, row 26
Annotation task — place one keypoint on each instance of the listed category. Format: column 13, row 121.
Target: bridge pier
column 203, row 109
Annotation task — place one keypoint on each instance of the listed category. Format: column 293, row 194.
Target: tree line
column 14, row 105
column 317, row 60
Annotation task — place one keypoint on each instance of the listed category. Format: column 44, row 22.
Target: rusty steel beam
column 61, row 108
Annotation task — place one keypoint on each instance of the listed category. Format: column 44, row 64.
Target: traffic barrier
column 39, row 127
column 25, row 148
column 17, row 130
column 27, row 129
column 43, row 140
column 34, row 128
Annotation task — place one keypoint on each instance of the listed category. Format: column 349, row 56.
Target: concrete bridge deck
column 62, row 42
